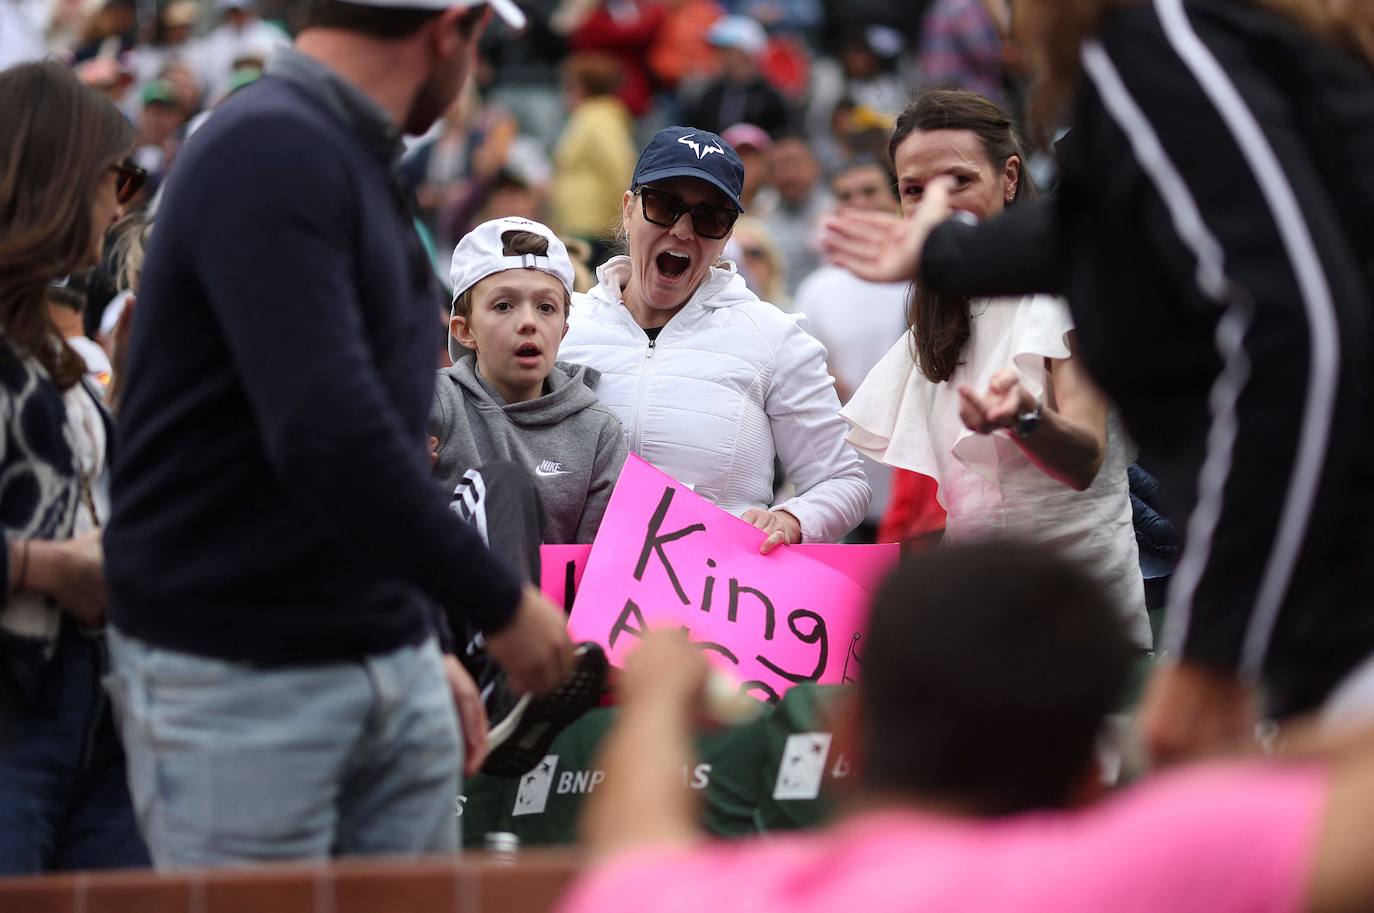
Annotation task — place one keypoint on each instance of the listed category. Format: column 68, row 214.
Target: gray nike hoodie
column 572, row 446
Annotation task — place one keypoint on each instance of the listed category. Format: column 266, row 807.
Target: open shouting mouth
column 672, row 264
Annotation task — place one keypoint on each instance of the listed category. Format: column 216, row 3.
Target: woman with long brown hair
column 1214, row 234
column 64, row 802
column 987, row 396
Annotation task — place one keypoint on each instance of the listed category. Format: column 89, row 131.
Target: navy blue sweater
column 272, row 500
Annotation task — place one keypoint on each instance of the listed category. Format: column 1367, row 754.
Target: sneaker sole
column 522, row 738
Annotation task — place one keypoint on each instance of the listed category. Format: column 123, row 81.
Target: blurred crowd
column 551, row 123
column 807, row 91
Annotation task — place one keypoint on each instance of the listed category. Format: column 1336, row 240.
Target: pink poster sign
column 666, row 557
column 562, row 566
column 560, row 572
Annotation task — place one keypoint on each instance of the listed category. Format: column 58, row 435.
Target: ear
column 1012, row 176
column 445, row 36
column 461, row 330
column 627, row 207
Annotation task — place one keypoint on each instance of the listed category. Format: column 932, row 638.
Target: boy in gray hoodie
column 506, row 396
column 523, row 449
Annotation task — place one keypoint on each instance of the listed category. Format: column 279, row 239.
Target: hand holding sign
column 782, row 528
column 665, row 557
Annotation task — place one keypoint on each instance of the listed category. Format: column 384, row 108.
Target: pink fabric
column 1225, row 839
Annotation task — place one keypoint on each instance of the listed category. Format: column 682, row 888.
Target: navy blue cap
column 685, row 152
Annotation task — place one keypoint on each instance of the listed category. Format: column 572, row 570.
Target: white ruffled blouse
column 988, row 486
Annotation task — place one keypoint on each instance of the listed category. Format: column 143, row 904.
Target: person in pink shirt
column 987, row 674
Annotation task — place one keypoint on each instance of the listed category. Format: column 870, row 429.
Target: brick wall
column 473, row 883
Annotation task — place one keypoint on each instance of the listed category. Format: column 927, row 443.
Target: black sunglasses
column 129, row 181
column 664, row 209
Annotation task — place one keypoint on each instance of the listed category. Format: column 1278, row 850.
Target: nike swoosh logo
column 555, row 472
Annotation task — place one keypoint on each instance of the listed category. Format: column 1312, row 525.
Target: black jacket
column 273, row 502
column 1214, row 234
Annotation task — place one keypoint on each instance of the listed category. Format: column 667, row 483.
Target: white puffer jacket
column 730, row 383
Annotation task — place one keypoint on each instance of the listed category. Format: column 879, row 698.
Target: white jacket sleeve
column 809, row 436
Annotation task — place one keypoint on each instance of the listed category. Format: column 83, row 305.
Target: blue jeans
column 63, row 799
column 233, row 764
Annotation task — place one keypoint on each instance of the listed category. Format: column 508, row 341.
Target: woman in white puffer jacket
column 710, row 382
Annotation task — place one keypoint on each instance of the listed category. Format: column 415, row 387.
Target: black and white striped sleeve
column 1238, row 209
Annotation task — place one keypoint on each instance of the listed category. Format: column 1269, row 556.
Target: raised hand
column 883, row 247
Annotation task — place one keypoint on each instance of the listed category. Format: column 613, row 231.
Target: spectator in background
column 595, row 156
column 830, row 137
column 111, row 31
column 681, row 53
column 794, row 205
column 759, row 261
column 66, row 302
column 740, row 94
column 867, row 132
column 870, row 58
column 857, row 321
column 186, row 87
column 241, row 33
column 159, row 125
column 962, row 48
column 128, row 241
column 753, row 145
column 519, row 186
column 464, row 167
column 863, row 71
column 171, row 40
column 624, row 29
column 64, row 179
column 520, row 72
column 440, row 163
column 1155, row 535
column 110, row 76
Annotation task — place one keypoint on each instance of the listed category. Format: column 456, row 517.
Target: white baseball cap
column 509, row 13
column 740, row 32
column 481, row 253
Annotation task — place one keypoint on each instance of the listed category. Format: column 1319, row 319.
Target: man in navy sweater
column 276, row 547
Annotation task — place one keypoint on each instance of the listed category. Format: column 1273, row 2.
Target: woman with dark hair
column 1214, row 233
column 987, row 395
column 64, row 180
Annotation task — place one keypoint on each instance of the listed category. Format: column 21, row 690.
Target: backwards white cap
column 506, row 9
column 481, row 253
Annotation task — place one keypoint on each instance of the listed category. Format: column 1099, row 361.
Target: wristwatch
column 1026, row 423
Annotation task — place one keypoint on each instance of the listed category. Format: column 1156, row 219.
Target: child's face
column 517, row 321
